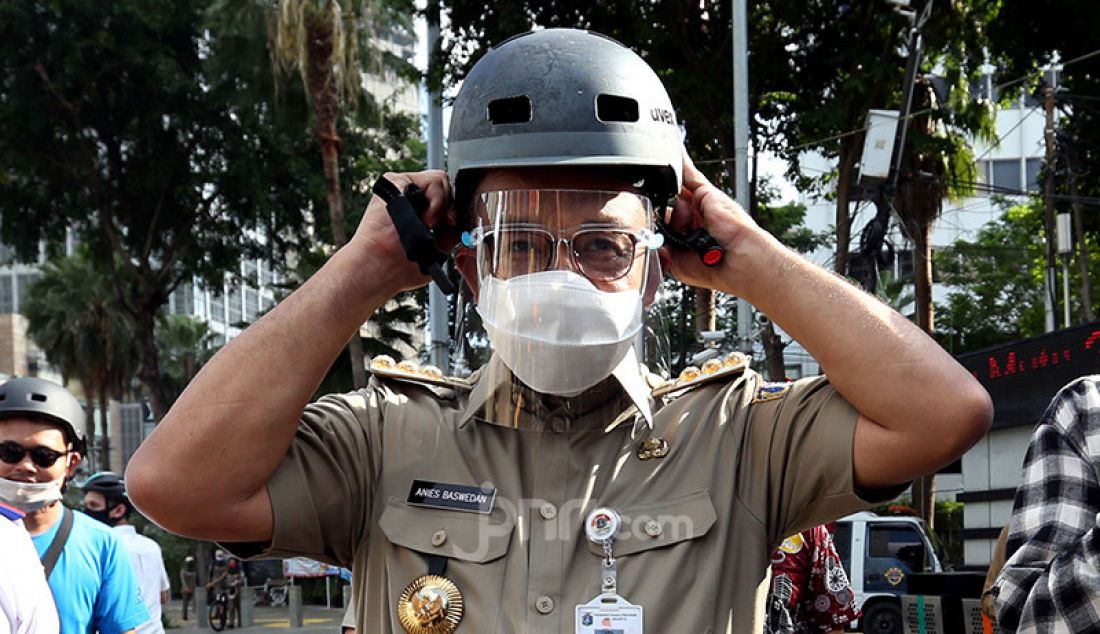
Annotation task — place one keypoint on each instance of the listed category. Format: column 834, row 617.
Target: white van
column 879, row 553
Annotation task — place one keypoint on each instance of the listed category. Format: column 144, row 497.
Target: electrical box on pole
column 878, row 145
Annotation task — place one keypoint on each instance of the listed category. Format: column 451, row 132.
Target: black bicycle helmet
column 109, row 484
column 38, row 398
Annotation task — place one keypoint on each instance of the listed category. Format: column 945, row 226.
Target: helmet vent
column 41, row 398
column 510, row 110
column 615, row 108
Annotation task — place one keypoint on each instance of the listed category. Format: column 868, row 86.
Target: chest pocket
column 660, row 524
column 660, row 541
column 474, row 545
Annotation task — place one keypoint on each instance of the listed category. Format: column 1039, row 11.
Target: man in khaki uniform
column 484, row 504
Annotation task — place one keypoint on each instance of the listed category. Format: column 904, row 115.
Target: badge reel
column 608, row 613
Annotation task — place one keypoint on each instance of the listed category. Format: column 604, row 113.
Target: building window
column 1034, row 165
column 217, row 308
column 7, row 298
column 267, row 276
column 250, row 276
column 1004, row 175
column 22, row 284
column 251, row 304
column 183, row 299
column 234, row 306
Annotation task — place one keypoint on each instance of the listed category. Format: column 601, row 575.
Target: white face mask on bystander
column 30, row 496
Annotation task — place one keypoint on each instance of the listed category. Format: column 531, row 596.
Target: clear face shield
column 562, row 278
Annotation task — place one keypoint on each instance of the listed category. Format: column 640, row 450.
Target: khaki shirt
column 747, row 463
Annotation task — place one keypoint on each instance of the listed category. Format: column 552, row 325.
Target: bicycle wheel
column 217, row 614
column 278, row 596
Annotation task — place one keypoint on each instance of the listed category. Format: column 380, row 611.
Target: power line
column 849, row 133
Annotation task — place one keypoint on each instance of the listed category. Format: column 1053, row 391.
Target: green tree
column 785, row 222
column 320, row 39
column 998, row 283
column 129, row 123
column 1026, row 38
column 73, row 317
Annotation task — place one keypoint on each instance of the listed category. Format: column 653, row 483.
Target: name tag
column 609, row 614
column 453, row 497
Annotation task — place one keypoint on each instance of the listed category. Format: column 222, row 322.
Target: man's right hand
column 377, row 234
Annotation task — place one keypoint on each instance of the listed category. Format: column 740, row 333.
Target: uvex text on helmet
column 565, row 97
column 38, row 398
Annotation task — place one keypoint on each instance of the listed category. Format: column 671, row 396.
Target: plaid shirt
column 1051, row 578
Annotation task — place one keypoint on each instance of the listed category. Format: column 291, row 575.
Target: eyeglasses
column 601, row 230
column 602, row 254
column 42, row 457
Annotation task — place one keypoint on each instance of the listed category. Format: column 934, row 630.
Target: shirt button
column 559, row 424
column 548, row 511
column 653, row 528
column 545, row 605
column 439, row 538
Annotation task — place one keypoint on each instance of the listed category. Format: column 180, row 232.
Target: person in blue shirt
column 91, row 577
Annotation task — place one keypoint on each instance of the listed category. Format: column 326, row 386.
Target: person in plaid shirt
column 1051, row 578
column 810, row 591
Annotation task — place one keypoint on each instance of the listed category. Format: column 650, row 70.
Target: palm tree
column 185, row 345
column 73, row 317
column 319, row 38
column 939, row 166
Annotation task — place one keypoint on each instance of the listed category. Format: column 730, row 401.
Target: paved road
column 317, row 620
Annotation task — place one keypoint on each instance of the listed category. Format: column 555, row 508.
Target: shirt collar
column 498, row 397
column 125, row 528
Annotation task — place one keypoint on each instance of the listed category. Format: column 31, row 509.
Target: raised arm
column 202, row 473
column 919, row 408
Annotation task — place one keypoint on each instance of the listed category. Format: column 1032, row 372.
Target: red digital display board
column 1023, row 376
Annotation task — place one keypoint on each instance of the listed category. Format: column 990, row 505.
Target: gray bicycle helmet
column 565, row 97
column 108, row 483
column 38, row 398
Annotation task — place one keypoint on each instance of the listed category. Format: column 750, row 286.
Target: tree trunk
column 89, row 424
column 774, row 363
column 845, row 164
column 148, row 373
column 326, row 107
column 924, row 489
column 704, row 309
column 104, row 412
column 687, row 292
column 1082, row 254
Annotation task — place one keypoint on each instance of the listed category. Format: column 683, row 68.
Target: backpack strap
column 49, row 560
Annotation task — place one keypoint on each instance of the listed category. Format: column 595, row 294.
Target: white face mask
column 30, row 496
column 556, row 331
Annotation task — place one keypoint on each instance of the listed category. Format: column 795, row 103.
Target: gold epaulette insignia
column 712, row 369
column 384, row 366
column 771, row 391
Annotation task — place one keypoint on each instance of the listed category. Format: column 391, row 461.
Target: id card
column 609, row 614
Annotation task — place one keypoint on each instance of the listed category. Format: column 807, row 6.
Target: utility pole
column 1049, row 281
column 739, row 15
column 438, row 350
column 1065, row 249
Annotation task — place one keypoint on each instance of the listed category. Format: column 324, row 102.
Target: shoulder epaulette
column 728, row 366
column 385, row 367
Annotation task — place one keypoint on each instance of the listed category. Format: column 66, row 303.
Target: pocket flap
column 473, row 537
column 662, row 523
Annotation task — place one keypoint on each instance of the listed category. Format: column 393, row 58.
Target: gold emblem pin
column 430, row 605
column 652, row 448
